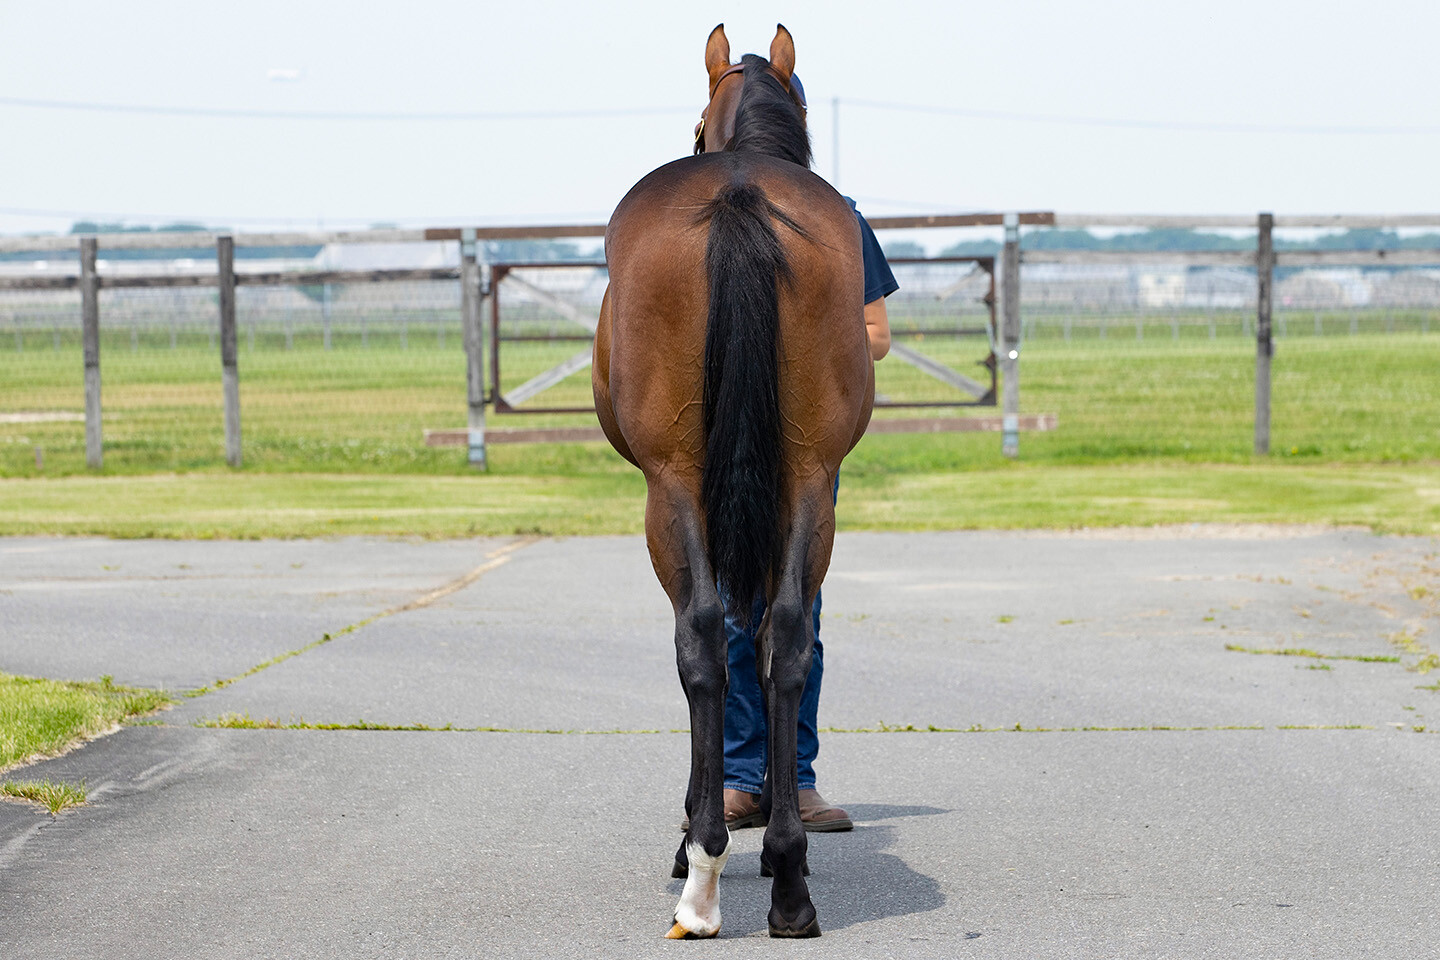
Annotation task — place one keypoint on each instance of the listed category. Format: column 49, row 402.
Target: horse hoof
column 811, row 929
column 678, row 932
column 679, row 871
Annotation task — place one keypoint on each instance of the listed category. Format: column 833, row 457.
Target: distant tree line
column 520, row 251
column 1174, row 239
column 526, row 251
column 513, row 251
column 176, row 252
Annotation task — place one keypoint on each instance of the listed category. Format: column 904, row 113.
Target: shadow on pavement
column 853, row 879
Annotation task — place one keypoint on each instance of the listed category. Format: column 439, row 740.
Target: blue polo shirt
column 879, row 281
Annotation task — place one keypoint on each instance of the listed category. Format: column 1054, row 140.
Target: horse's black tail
column 740, row 485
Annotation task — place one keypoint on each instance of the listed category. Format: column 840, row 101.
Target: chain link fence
column 1157, row 358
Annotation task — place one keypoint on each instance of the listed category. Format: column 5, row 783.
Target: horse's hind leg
column 787, row 640
column 677, row 549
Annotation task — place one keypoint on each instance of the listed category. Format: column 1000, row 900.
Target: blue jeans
column 745, row 729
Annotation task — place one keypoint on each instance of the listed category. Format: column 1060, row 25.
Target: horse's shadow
column 853, row 880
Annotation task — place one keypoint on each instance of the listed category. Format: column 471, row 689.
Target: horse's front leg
column 786, row 641
column 672, row 528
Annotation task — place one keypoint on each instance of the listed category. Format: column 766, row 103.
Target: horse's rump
column 740, row 275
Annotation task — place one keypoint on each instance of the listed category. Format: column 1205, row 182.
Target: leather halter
column 733, row 68
column 700, row 127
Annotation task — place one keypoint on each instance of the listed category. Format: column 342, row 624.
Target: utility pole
column 835, row 142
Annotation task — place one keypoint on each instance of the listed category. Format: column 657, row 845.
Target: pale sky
column 1257, row 78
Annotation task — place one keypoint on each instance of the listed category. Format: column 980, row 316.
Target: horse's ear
column 717, row 54
column 782, row 53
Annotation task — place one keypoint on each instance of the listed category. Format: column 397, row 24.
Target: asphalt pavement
column 1048, row 742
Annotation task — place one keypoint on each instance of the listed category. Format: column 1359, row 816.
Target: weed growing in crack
column 50, row 794
column 1305, row 652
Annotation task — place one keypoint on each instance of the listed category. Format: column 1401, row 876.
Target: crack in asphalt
column 495, row 558
column 245, row 722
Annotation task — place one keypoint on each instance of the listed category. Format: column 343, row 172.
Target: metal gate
column 543, row 317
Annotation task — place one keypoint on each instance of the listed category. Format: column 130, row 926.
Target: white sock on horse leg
column 699, row 908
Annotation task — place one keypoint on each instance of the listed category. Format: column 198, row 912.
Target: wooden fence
column 474, row 280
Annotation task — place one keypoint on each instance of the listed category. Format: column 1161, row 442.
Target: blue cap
column 798, row 88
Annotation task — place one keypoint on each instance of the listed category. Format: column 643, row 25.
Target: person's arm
column 879, row 284
column 877, row 325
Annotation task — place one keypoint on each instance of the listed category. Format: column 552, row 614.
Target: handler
column 745, row 735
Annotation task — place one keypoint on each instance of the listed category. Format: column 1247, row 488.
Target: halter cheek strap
column 735, row 68
column 700, row 127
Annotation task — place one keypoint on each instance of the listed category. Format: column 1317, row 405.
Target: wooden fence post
column 90, row 338
column 470, row 311
column 1264, row 348
column 229, row 373
column 1009, row 339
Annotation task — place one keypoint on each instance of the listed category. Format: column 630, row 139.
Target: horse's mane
column 768, row 120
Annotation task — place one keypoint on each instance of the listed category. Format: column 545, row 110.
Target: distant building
column 1311, row 289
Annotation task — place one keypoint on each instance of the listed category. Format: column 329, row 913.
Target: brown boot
column 818, row 815
column 742, row 810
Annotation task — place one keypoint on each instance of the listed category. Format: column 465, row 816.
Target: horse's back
column 658, row 303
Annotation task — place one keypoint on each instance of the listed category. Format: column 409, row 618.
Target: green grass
column 39, row 718
column 52, row 795
column 1152, row 431
column 1385, row 498
column 1393, row 499
column 1364, row 398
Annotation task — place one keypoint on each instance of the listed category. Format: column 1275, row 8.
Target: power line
column 1131, row 124
column 299, row 222
column 247, row 114
column 576, row 114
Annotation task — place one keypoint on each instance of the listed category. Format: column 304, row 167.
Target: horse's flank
column 650, row 364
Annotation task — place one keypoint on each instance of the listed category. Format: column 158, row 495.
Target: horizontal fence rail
column 256, row 279
column 352, row 356
column 203, row 239
column 1337, row 221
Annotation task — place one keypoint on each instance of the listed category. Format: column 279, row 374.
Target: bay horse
column 733, row 368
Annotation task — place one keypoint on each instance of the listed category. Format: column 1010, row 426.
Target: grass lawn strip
column 1367, row 397
column 1385, row 498
column 45, row 718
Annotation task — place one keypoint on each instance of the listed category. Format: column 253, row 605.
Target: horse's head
column 717, row 120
